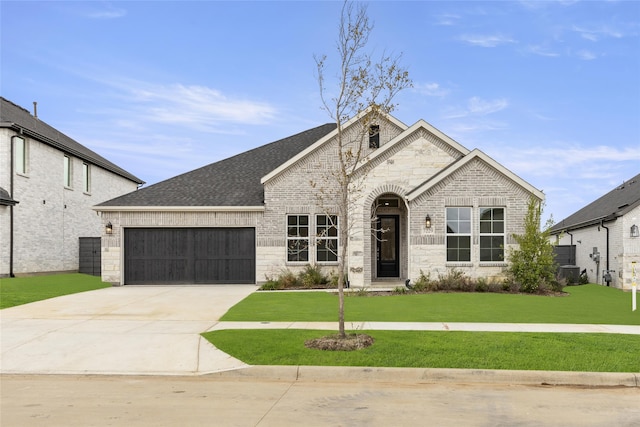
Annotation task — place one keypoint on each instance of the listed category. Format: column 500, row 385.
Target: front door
column 388, row 249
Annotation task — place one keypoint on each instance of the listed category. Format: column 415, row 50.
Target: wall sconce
column 634, row 231
column 427, row 222
column 108, row 229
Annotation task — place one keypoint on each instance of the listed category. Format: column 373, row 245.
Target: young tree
column 532, row 264
column 366, row 88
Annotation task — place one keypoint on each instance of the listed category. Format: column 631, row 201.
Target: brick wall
column 51, row 217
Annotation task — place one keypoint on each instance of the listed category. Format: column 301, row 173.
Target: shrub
column 532, row 264
column 312, row 276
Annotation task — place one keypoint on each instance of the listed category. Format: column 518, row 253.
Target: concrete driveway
column 119, row 330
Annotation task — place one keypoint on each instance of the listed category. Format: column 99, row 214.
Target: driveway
column 119, row 330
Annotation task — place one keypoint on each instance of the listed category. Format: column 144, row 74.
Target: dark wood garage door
column 189, row 255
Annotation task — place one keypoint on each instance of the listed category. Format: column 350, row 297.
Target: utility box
column 569, row 272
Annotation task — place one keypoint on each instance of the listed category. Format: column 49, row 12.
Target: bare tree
column 364, row 88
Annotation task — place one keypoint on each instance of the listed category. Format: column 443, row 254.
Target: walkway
column 436, row 326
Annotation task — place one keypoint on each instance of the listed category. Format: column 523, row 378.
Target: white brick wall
column 50, row 218
column 623, row 249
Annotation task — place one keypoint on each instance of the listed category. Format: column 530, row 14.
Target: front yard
column 23, row 290
column 588, row 304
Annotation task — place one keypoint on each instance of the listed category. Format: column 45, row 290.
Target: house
column 604, row 235
column 48, row 185
column 434, row 205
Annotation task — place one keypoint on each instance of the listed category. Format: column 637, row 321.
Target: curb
column 433, row 375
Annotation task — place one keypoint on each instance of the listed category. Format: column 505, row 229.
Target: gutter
column 116, row 170
column 99, row 208
column 607, row 251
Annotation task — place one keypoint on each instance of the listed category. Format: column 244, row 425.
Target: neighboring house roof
column 231, row 182
column 15, row 117
column 5, row 198
column 612, row 205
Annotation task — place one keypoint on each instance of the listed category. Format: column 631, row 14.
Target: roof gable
column 420, row 126
column 475, row 154
column 230, row 182
column 612, row 205
column 323, row 141
column 15, row 117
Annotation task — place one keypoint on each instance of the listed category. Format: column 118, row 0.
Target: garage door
column 189, row 255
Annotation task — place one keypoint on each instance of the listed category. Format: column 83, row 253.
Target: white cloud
column 430, row 89
column 109, row 13
column 575, row 161
column 595, row 34
column 486, row 40
column 586, row 55
column 447, row 19
column 481, row 107
column 542, row 51
column 199, row 106
column 477, row 107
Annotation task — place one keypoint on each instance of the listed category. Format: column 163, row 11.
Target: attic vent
column 623, row 206
column 374, row 136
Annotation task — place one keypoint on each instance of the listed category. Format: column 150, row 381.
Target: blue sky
column 549, row 89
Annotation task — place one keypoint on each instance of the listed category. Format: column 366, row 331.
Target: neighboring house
column 247, row 218
column 48, row 184
column 605, row 236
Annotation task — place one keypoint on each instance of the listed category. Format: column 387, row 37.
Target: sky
column 549, row 89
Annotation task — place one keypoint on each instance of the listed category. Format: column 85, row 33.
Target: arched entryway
column 388, row 240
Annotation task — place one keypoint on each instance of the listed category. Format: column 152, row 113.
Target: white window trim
column 503, row 235
column 470, row 235
column 67, row 178
column 21, row 161
column 86, row 178
column 290, row 238
column 319, row 238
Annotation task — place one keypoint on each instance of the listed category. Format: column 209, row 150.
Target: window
column 327, row 238
column 492, row 234
column 67, row 171
column 86, row 178
column 459, row 234
column 374, row 136
column 298, row 238
column 20, row 152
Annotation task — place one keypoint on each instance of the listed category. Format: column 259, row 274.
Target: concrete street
column 54, row 400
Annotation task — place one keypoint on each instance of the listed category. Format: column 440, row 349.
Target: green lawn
column 22, row 290
column 584, row 304
column 464, row 350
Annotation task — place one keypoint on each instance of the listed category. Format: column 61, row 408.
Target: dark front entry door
column 388, row 246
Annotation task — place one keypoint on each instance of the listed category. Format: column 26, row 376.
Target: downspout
column 569, row 233
column 11, row 178
column 607, row 249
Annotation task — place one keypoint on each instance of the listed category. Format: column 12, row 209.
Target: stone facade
column 50, row 217
column 418, row 170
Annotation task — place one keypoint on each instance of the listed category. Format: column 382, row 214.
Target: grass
column 586, row 304
column 463, row 350
column 23, row 290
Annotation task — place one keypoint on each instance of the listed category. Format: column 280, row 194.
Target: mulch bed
column 335, row 342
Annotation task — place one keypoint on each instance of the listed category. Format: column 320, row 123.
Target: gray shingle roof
column 614, row 204
column 5, row 198
column 231, row 182
column 18, row 118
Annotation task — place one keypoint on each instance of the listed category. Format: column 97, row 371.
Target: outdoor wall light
column 108, row 229
column 427, row 222
column 634, row 231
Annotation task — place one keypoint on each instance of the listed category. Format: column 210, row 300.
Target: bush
column 532, row 264
column 312, row 276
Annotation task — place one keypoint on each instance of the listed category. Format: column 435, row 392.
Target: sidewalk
column 436, row 326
